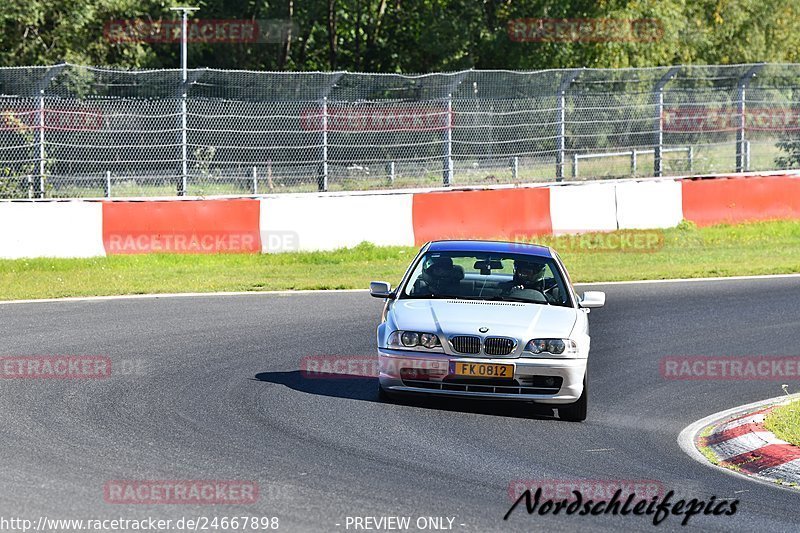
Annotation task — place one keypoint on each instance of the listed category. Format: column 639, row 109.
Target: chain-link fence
column 74, row 131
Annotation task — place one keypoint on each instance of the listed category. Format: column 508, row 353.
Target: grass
column 685, row 251
column 710, row 456
column 707, row 452
column 784, row 421
column 689, row 252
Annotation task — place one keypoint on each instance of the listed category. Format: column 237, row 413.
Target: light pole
column 184, row 77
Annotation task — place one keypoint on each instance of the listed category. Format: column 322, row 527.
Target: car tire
column 576, row 412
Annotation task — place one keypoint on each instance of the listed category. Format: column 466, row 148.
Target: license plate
column 484, row 370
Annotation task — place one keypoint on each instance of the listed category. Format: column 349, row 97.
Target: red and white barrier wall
column 190, row 226
column 51, row 229
column 328, row 221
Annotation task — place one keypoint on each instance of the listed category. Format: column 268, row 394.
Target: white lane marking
column 177, row 295
column 317, row 291
column 688, row 436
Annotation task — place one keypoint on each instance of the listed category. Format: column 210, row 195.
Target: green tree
column 409, row 35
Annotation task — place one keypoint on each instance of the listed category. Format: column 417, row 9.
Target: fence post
column 747, row 156
column 658, row 166
column 562, row 133
column 390, row 169
column 42, row 155
column 187, row 79
column 184, row 162
column 633, row 162
column 255, row 180
column 740, row 140
column 574, row 165
column 322, row 179
column 744, row 83
column 38, row 185
column 108, row 184
column 691, row 160
column 658, row 159
column 561, row 137
column 447, row 177
column 515, row 168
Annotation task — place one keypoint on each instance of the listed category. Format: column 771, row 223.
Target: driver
column 527, row 275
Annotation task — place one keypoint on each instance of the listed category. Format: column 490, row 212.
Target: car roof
column 503, row 247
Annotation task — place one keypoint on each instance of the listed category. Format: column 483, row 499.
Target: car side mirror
column 380, row 289
column 592, row 299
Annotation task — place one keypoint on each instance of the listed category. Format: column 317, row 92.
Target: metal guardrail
column 634, row 155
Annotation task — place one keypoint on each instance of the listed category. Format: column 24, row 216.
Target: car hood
column 509, row 319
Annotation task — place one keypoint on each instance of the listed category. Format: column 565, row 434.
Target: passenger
column 439, row 277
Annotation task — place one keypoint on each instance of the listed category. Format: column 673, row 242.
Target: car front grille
column 466, row 344
column 498, row 346
column 533, row 385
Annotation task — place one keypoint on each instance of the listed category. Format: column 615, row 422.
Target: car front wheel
column 576, row 412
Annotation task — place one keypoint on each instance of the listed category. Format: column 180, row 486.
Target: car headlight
column 409, row 339
column 562, row 347
column 413, row 340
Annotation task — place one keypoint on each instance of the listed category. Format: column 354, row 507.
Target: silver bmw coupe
column 486, row 319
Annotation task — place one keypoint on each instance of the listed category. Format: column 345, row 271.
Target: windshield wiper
column 430, row 297
column 514, row 299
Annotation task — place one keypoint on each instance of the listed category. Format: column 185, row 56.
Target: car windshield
column 488, row 276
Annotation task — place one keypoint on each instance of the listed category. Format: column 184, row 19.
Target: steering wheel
column 547, row 288
column 527, row 294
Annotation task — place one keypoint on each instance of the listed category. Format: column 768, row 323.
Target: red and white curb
column 740, row 443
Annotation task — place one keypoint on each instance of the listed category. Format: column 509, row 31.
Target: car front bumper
column 431, row 373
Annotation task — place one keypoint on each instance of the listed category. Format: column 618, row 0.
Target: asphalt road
column 209, row 388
